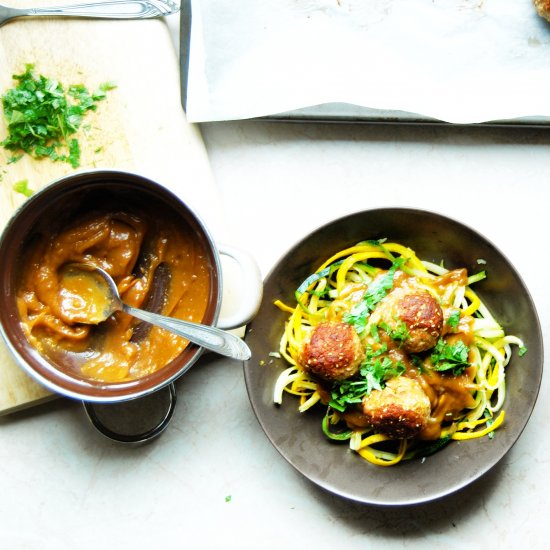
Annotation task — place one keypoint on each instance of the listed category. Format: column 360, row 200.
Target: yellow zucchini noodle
column 326, row 295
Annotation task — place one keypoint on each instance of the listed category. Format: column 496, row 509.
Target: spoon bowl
column 89, row 295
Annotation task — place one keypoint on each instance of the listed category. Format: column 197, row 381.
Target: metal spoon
column 108, row 9
column 90, row 296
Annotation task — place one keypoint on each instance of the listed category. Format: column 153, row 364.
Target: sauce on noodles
column 457, row 365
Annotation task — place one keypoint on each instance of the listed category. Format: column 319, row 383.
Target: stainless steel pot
column 73, row 196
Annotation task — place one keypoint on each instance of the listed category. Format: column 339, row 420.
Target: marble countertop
column 213, row 479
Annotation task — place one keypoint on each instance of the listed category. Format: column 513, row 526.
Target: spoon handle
column 208, row 337
column 119, row 9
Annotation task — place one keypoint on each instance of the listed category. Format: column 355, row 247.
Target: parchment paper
column 461, row 61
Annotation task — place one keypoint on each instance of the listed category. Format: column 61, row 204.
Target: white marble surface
column 213, row 479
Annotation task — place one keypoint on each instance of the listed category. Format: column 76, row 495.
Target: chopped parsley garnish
column 374, row 371
column 399, row 333
column 375, row 292
column 14, row 158
column 42, row 117
column 454, row 319
column 450, row 357
column 374, row 333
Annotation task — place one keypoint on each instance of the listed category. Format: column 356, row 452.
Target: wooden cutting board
column 140, row 127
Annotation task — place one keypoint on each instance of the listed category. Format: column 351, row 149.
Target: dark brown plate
column 298, row 437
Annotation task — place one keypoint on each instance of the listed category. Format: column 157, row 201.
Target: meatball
column 400, row 410
column 333, row 352
column 419, row 312
column 543, row 8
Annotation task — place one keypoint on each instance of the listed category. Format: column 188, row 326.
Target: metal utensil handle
column 206, row 336
column 114, row 9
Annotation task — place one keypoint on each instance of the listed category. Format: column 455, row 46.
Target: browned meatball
column 543, row 8
column 419, row 312
column 400, row 410
column 333, row 351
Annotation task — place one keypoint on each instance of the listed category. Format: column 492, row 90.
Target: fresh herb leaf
column 379, row 288
column 454, row 319
column 41, row 117
column 399, row 333
column 374, row 333
column 14, row 158
column 522, row 351
column 348, row 392
column 101, row 92
column 373, row 373
column 375, row 292
column 450, row 357
column 380, row 370
column 74, row 153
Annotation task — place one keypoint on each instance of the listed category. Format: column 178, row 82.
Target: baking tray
column 339, row 112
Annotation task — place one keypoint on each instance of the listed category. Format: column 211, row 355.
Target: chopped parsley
column 14, row 158
column 374, row 371
column 454, row 319
column 399, row 333
column 375, row 292
column 450, row 357
column 41, row 117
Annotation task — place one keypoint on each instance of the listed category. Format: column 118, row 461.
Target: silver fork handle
column 114, row 9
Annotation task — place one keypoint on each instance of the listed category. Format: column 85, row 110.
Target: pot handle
column 126, row 422
column 250, row 290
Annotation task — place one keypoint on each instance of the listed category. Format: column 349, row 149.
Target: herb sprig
column 399, row 332
column 454, row 319
column 450, row 357
column 374, row 371
column 359, row 313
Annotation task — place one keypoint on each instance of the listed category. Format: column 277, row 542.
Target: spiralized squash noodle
column 325, row 295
